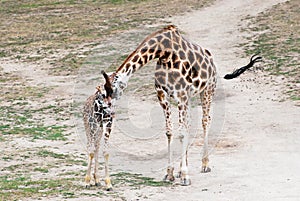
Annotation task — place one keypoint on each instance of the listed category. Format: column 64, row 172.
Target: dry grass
column 63, row 31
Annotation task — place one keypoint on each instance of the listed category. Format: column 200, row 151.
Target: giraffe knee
column 205, row 120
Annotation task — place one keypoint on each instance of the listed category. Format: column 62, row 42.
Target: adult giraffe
column 183, row 70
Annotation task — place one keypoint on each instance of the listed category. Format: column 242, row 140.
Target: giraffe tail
column 241, row 70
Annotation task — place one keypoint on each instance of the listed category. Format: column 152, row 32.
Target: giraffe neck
column 154, row 46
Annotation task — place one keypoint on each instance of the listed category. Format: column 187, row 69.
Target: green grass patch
column 21, row 122
column 36, row 132
column 22, row 186
column 40, row 169
column 136, row 180
column 45, row 153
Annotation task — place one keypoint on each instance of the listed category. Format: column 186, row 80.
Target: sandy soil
column 254, row 140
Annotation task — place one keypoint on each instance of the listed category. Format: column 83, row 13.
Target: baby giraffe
column 98, row 117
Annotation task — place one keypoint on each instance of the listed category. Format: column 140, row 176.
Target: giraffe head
column 115, row 84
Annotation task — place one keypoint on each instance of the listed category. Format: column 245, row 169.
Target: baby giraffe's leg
column 106, row 130
column 88, row 174
column 96, row 175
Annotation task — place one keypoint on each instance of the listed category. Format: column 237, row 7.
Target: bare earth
column 254, row 139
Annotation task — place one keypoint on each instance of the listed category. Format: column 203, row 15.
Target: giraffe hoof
column 178, row 175
column 97, row 184
column 185, row 182
column 205, row 169
column 87, row 186
column 109, row 189
column 169, row 178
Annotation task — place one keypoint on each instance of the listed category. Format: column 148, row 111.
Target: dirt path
column 255, row 138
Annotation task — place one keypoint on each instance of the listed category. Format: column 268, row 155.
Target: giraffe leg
column 183, row 134
column 88, row 174
column 206, row 103
column 106, row 157
column 162, row 97
column 96, row 168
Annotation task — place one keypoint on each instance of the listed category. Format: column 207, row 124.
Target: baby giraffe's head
column 103, row 106
column 115, row 84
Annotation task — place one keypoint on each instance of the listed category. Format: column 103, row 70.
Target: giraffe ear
column 108, row 87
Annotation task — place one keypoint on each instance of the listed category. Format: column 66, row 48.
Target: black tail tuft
column 241, row 70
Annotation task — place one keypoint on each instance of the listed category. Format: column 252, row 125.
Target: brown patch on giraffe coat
column 166, row 56
column 135, row 58
column 159, row 38
column 186, row 64
column 157, row 52
column 182, row 55
column 195, row 71
column 133, row 68
column 160, row 95
column 150, row 57
column 207, row 52
column 176, row 38
column 140, row 61
column 183, row 71
column 168, row 35
column 145, row 57
column 204, row 66
column 209, row 69
column 144, row 50
column 189, row 45
column 191, row 56
column 151, row 42
column 195, row 47
column 160, row 78
column 203, row 74
column 203, row 84
column 173, row 76
column 151, row 50
column 196, row 83
column 176, row 65
column 175, row 46
column 180, row 84
column 189, row 79
column 199, row 58
column 127, row 66
column 183, row 45
column 206, row 60
column 201, row 50
column 170, row 87
column 128, row 72
column 166, row 43
column 174, row 57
